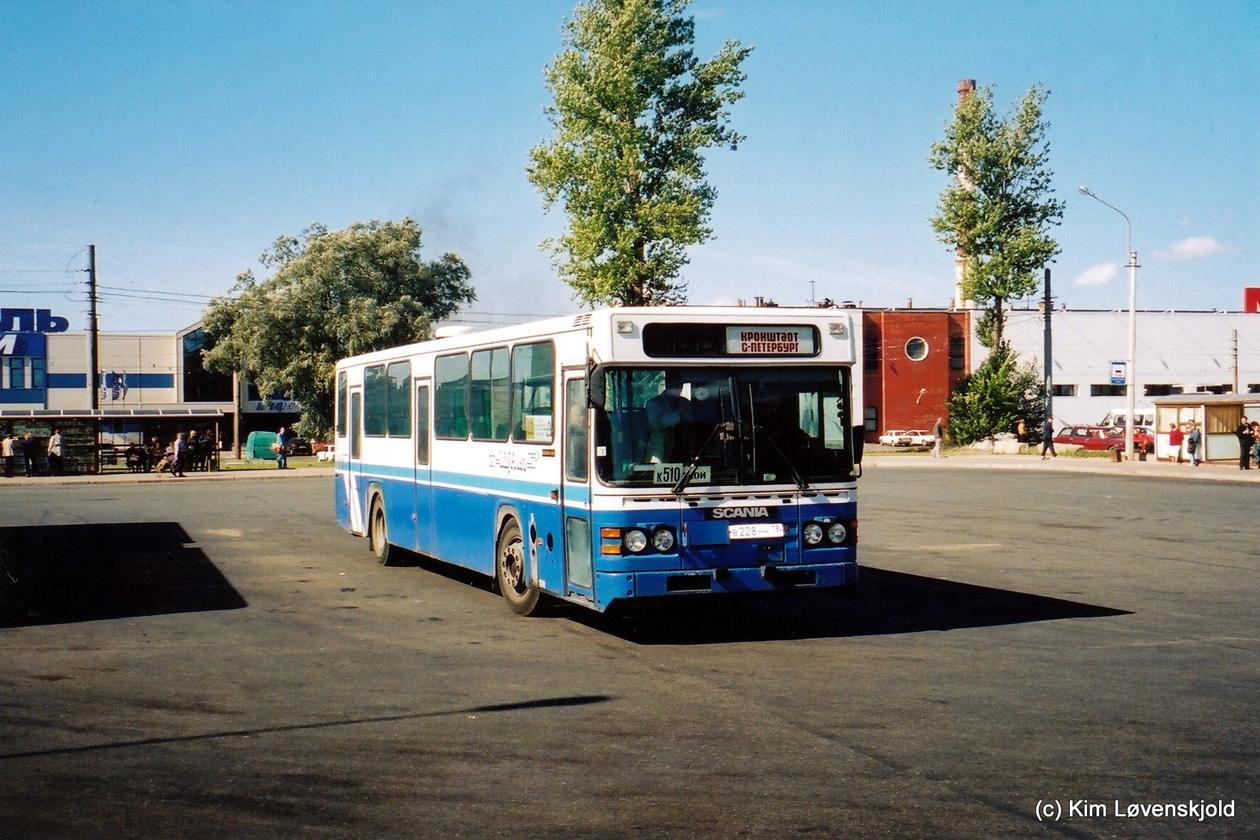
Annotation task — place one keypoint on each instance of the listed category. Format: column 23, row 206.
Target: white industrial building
column 1177, row 353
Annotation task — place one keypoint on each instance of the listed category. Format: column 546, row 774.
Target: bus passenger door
column 354, row 469
column 424, row 472
column 576, row 489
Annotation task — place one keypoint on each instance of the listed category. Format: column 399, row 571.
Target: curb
column 161, row 478
column 1219, row 473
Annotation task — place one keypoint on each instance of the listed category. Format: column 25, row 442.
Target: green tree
column 333, row 294
column 634, row 108
column 996, row 397
column 997, row 210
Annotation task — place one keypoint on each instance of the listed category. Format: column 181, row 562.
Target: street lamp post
column 1131, row 371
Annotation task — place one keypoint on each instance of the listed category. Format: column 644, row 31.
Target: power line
column 162, row 292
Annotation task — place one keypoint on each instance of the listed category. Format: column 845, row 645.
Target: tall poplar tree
column 634, row 109
column 997, row 209
column 334, row 294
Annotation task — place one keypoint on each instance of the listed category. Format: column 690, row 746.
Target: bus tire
column 378, row 534
column 510, row 570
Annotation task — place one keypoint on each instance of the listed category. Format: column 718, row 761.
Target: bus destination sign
column 770, row 341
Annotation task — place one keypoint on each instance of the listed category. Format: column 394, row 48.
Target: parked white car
column 919, row 437
column 894, row 437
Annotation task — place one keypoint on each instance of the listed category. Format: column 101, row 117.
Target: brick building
column 913, row 358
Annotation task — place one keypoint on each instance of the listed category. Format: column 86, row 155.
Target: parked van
column 1141, row 417
column 258, row 446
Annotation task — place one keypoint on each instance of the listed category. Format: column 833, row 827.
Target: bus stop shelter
column 93, row 441
column 1218, row 416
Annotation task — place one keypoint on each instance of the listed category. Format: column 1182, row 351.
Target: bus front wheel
column 509, row 570
column 378, row 534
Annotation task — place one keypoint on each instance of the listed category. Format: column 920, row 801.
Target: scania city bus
column 617, row 454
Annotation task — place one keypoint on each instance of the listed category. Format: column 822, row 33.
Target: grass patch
column 302, row 463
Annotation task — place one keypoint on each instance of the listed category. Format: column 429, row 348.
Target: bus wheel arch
column 511, row 566
column 378, row 530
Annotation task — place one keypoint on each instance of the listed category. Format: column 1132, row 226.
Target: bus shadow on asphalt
column 61, row 574
column 889, row 603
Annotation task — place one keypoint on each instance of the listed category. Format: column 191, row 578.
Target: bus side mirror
column 596, row 386
column 859, row 440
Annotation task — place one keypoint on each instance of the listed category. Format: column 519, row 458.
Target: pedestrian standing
column 1047, row 439
column 8, row 451
column 1255, row 443
column 938, row 437
column 1194, row 442
column 55, row 451
column 1175, row 438
column 29, row 448
column 1245, row 441
column 282, row 449
column 194, row 451
column 179, row 454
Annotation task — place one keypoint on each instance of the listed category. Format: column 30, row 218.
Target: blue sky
column 182, row 138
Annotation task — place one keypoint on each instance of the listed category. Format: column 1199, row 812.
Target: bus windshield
column 680, row 427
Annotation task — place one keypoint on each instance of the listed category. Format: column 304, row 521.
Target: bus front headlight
column 634, row 540
column 837, row 533
column 663, row 540
column 813, row 533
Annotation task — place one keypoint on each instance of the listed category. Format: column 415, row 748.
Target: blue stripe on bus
column 453, row 518
column 499, row 485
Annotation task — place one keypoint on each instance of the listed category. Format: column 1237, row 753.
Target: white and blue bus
column 613, row 455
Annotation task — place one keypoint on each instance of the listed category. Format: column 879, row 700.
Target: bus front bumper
column 613, row 586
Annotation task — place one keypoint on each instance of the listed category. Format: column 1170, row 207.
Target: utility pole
column 236, row 415
column 1048, row 376
column 1235, row 361
column 93, row 344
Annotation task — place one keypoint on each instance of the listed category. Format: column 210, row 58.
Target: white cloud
column 1099, row 275
column 1195, row 248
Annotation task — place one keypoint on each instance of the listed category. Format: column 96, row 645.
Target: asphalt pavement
column 1150, row 468
column 1034, row 653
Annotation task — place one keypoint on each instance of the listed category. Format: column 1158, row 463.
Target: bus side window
column 356, row 425
column 533, row 384
column 489, row 394
column 375, row 400
column 450, row 398
column 422, row 424
column 342, row 403
column 577, row 446
column 398, row 399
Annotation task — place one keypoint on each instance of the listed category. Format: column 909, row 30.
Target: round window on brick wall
column 916, row 349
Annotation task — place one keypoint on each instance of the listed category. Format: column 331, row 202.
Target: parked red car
column 1102, row 438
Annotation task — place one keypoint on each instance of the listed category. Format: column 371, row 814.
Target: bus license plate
column 755, row 530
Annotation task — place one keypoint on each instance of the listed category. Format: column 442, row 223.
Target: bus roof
column 622, row 326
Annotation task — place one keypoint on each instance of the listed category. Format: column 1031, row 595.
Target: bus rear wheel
column 378, row 534
column 509, row 570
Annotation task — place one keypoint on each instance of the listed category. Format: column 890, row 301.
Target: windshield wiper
column 801, row 483
column 694, row 464
column 725, row 427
